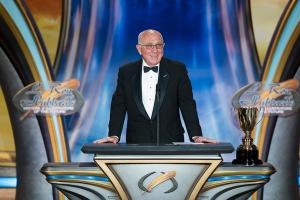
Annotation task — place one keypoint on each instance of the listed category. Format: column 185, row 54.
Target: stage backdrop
column 224, row 44
column 213, row 38
column 90, row 40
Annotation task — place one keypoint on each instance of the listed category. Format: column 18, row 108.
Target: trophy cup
column 247, row 153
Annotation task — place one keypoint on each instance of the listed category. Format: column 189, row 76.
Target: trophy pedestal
column 246, row 156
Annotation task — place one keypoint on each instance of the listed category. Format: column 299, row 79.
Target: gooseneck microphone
column 157, row 119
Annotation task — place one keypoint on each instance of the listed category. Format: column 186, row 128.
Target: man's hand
column 200, row 139
column 112, row 139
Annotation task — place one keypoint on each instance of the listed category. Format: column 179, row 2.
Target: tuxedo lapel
column 136, row 85
column 162, row 84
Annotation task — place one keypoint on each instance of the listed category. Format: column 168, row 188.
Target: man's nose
column 154, row 48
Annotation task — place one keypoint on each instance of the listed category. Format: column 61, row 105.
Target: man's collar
column 145, row 64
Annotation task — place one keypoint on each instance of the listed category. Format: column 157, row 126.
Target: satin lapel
column 163, row 83
column 136, row 85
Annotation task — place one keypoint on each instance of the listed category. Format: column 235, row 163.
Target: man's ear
column 138, row 47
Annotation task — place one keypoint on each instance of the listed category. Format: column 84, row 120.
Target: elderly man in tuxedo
column 138, row 86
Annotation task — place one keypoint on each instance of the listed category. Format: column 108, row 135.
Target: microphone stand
column 157, row 120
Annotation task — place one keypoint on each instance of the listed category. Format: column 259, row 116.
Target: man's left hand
column 201, row 139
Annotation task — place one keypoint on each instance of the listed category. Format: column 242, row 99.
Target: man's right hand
column 112, row 139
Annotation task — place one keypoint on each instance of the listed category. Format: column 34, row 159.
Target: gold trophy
column 247, row 153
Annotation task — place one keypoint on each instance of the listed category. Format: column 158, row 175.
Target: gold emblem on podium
column 164, row 176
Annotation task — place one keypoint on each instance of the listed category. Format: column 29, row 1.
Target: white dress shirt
column 149, row 81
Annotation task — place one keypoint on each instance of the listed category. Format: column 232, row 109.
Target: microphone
column 157, row 119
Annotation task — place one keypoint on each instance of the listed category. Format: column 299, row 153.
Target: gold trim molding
column 105, row 165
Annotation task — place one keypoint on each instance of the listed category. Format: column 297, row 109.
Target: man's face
column 151, row 48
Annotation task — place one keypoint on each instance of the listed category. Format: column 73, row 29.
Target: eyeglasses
column 152, row 46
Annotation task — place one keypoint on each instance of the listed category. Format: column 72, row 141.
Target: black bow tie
column 147, row 69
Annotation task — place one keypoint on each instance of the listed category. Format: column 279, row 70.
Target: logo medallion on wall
column 41, row 98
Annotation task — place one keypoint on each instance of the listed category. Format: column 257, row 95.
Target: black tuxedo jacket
column 175, row 93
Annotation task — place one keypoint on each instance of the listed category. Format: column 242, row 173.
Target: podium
column 128, row 171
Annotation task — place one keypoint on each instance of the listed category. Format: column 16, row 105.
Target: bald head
column 151, row 47
column 148, row 32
